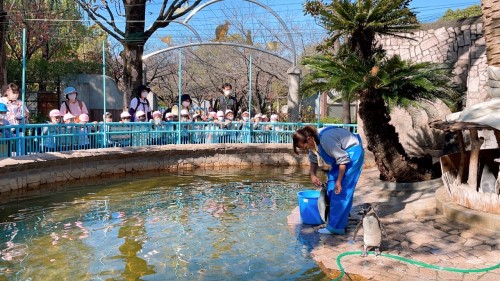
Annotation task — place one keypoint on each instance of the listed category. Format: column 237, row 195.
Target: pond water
column 204, row 225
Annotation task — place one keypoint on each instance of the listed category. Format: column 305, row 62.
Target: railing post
column 249, row 138
column 104, row 142
column 21, row 143
column 179, row 104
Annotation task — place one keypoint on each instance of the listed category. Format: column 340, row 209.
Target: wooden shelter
column 464, row 172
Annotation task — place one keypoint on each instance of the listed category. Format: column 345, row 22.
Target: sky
column 245, row 16
column 431, row 10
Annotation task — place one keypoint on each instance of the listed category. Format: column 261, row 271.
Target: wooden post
column 461, row 167
column 497, row 136
column 474, row 158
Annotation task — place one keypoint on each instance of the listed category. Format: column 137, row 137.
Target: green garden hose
column 414, row 262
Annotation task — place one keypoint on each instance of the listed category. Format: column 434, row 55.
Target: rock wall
column 27, row 172
column 458, row 43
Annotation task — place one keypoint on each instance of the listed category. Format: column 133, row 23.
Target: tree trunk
column 346, row 111
column 383, row 141
column 133, row 47
column 3, row 57
column 491, row 22
column 132, row 70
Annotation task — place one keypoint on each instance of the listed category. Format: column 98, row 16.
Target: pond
column 222, row 224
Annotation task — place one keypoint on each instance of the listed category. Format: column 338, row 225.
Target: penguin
column 372, row 229
column 324, row 203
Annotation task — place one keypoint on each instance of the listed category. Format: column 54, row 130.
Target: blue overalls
column 340, row 204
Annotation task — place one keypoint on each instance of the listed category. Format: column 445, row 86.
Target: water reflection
column 134, row 234
column 203, row 225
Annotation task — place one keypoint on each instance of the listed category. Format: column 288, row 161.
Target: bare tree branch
column 115, row 32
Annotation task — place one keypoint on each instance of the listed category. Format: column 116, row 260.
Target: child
column 83, row 138
column 49, row 144
column 4, row 133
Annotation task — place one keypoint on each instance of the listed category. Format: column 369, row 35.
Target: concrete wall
column 28, row 172
column 90, row 91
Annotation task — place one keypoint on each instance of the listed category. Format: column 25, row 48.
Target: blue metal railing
column 16, row 140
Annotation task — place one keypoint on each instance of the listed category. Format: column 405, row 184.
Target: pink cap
column 84, row 117
column 55, row 113
column 68, row 116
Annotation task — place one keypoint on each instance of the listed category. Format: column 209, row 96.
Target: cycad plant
column 361, row 71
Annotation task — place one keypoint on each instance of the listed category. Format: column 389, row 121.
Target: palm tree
column 361, row 71
column 491, row 19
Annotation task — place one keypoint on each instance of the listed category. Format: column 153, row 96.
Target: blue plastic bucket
column 308, row 205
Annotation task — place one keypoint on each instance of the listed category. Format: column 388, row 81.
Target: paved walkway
column 414, row 231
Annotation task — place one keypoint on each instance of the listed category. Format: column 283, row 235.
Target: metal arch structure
column 200, row 43
column 145, row 57
column 190, row 28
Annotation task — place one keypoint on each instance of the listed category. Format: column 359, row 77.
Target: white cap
column 168, row 115
column 212, row 113
column 264, row 116
column 68, row 116
column 84, row 117
column 245, row 112
column 220, row 113
column 125, row 114
column 258, row 115
column 156, row 113
column 228, row 111
column 55, row 113
column 140, row 113
column 184, row 112
column 274, row 117
column 196, row 115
